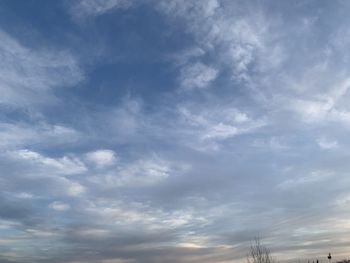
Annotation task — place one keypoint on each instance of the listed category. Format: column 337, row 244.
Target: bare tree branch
column 258, row 253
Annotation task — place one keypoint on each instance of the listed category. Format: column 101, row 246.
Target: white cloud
column 313, row 177
column 41, row 233
column 102, row 158
column 140, row 173
column 312, row 111
column 24, row 195
column 97, row 7
column 244, row 45
column 28, row 75
column 11, row 134
column 236, row 41
column 327, row 144
column 145, row 172
column 197, row 75
column 343, row 201
column 60, row 186
column 326, row 106
column 64, row 165
column 180, row 8
column 273, row 143
column 150, row 218
column 218, row 123
column 21, row 135
column 59, row 206
column 119, row 212
column 72, row 188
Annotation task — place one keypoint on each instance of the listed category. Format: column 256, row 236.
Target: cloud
column 70, row 188
column 59, row 206
column 236, row 42
column 28, row 76
column 21, row 134
column 327, row 107
column 30, row 175
column 83, row 8
column 139, row 173
column 197, row 76
column 179, row 8
column 65, row 165
column 313, row 177
column 25, row 195
column 102, row 158
column 217, row 124
column 327, row 144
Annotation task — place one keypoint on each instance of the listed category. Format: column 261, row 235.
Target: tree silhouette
column 258, row 253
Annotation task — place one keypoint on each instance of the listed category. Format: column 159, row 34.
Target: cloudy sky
column 157, row 131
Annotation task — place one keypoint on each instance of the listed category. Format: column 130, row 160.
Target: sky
column 151, row 131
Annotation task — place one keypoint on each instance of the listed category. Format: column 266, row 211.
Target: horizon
column 152, row 131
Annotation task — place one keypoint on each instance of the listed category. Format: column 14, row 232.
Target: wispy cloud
column 197, row 76
column 64, row 165
column 21, row 134
column 28, row 76
column 220, row 123
column 83, row 8
column 236, row 41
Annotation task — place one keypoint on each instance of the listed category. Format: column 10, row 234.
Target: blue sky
column 173, row 130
